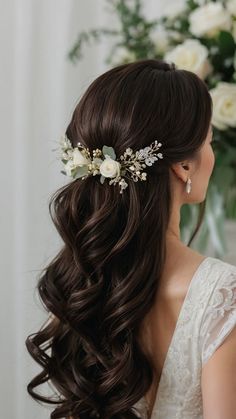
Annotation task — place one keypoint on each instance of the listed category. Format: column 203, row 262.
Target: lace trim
column 220, row 316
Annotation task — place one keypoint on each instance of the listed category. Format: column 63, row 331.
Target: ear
column 182, row 170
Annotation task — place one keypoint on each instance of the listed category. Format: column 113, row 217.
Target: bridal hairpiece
column 79, row 163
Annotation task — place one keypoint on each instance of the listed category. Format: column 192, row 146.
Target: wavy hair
column 103, row 281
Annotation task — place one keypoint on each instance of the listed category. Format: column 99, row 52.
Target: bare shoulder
column 183, row 257
column 218, row 379
column 180, row 265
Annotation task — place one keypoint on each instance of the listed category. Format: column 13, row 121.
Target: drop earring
column 188, row 185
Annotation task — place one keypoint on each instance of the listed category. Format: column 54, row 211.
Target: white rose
column 109, row 167
column 78, row 158
column 231, row 7
column 224, row 105
column 191, row 55
column 209, row 19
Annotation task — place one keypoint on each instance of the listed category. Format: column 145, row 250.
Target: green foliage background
column 134, row 36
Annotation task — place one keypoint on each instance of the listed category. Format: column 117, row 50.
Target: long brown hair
column 103, row 281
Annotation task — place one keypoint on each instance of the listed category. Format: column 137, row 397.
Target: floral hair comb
column 79, row 163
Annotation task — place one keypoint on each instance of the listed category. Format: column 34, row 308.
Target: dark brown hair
column 103, row 281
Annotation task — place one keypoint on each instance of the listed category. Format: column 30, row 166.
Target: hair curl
column 103, row 281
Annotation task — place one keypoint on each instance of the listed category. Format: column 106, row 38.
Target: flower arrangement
column 200, row 37
column 78, row 162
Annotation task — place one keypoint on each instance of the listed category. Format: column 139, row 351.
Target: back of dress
column 206, row 318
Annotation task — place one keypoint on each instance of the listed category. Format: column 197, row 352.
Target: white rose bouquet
column 200, row 36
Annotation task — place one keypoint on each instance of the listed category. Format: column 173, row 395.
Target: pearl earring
column 188, row 185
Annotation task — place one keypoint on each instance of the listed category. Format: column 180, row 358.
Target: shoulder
column 219, row 276
column 188, row 261
column 212, row 274
column 223, row 292
column 218, row 382
column 221, row 272
column 219, row 316
column 222, row 266
column 218, row 343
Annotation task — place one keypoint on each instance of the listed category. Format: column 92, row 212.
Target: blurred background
column 42, row 79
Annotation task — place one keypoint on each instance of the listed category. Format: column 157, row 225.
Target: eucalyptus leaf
column 80, row 171
column 110, row 151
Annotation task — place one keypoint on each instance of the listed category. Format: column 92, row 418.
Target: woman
column 142, row 325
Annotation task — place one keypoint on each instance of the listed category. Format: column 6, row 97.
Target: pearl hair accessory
column 79, row 163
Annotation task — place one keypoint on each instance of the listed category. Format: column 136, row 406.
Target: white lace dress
column 207, row 316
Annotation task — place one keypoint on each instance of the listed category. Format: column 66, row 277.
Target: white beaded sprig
column 79, row 163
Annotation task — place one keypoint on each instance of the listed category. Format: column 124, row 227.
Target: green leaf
column 80, row 172
column 192, row 4
column 110, row 151
column 226, row 43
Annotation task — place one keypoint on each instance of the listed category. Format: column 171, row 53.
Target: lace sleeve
column 220, row 316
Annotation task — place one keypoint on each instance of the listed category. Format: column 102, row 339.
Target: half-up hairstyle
column 104, row 280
